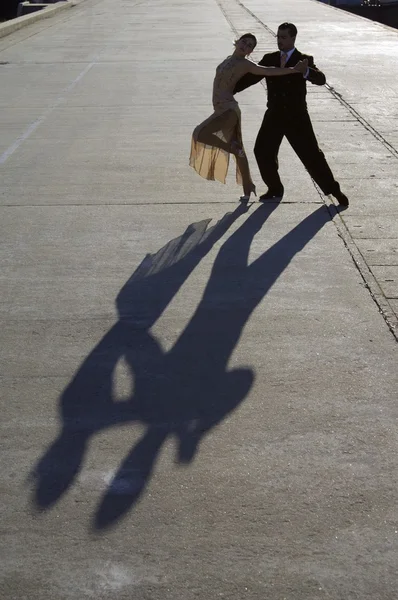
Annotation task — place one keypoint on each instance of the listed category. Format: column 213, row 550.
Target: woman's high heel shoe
column 246, row 197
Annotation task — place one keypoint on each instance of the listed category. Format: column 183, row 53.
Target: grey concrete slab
column 379, row 252
column 35, row 86
column 196, row 402
column 11, row 126
column 388, row 278
column 372, row 227
column 373, row 196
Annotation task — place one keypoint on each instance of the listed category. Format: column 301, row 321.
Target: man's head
column 286, row 36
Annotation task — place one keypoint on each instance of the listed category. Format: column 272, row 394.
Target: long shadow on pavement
column 184, row 392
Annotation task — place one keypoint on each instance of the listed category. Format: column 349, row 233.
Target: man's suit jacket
column 287, row 92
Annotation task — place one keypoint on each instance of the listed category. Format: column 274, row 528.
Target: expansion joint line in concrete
column 363, row 121
column 369, row 280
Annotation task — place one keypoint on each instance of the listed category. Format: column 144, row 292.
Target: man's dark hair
column 290, row 27
column 251, row 36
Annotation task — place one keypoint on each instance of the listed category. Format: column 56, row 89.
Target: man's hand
column 301, row 66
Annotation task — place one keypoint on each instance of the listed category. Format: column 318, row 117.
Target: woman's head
column 246, row 43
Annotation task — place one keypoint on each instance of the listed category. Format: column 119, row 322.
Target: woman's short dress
column 208, row 161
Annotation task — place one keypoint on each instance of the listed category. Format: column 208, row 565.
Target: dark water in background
column 8, row 9
column 383, row 14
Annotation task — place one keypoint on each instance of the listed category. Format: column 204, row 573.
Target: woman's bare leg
column 243, row 165
column 206, row 134
column 227, row 124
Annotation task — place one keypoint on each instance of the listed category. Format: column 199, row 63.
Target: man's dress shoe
column 272, row 195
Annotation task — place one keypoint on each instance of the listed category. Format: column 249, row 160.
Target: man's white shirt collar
column 288, row 54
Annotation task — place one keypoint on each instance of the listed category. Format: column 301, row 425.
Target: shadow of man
column 186, row 391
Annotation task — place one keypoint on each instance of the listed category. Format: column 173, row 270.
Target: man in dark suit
column 287, row 115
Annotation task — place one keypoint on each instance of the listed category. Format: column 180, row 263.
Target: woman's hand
column 301, row 66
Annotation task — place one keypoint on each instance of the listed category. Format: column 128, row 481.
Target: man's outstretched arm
column 249, row 79
column 315, row 76
column 246, row 81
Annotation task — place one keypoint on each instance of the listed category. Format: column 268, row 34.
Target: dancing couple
column 286, row 72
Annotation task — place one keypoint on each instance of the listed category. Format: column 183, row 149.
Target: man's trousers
column 297, row 127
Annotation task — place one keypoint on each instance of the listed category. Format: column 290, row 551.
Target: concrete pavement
column 198, row 401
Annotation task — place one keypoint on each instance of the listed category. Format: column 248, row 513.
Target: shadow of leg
column 58, row 468
column 131, row 479
column 212, row 408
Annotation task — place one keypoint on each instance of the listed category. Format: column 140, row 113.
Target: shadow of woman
column 87, row 404
column 184, row 392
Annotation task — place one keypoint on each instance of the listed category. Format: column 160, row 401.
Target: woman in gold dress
column 220, row 134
